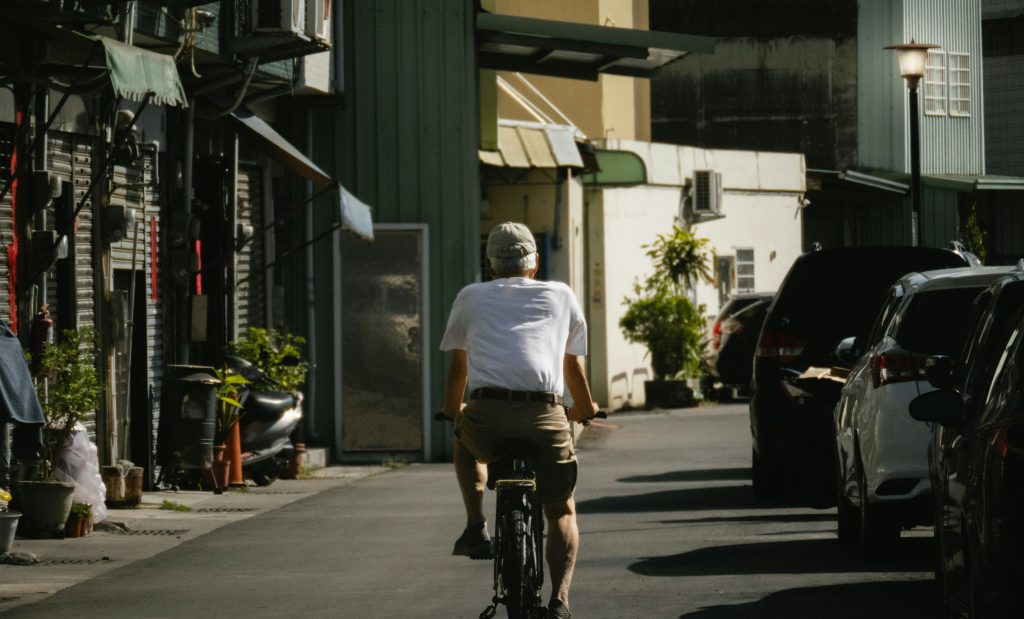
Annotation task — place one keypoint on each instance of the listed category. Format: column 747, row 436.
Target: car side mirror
column 848, row 351
column 943, row 406
column 938, row 370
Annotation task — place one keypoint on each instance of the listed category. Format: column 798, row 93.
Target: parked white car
column 883, row 477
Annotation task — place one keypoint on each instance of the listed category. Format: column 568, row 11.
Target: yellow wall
column 614, row 106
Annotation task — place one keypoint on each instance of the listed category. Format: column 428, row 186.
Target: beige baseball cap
column 510, row 240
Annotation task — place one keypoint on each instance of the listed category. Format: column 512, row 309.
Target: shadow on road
column 710, row 498
column 824, row 516
column 878, row 600
column 739, row 474
column 807, row 556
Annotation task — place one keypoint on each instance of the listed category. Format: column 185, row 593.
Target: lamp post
column 912, row 57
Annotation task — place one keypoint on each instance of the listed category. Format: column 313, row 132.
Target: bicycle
column 517, row 545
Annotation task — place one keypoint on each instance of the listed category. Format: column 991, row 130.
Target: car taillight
column 716, row 335
column 896, row 366
column 1009, row 439
column 781, row 344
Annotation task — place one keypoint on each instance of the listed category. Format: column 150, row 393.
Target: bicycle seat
column 510, row 449
column 517, row 447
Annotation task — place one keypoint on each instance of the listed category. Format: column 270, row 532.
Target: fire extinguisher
column 42, row 325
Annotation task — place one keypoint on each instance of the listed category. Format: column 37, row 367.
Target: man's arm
column 583, row 405
column 455, row 384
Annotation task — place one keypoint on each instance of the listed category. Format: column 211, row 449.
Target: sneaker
column 557, row 610
column 474, row 543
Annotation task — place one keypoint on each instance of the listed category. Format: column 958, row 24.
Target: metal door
column 383, row 341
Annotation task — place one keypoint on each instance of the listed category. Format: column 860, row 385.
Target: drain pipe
column 183, row 334
column 310, row 402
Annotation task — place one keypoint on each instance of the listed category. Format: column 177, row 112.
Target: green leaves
column 68, row 388
column 659, row 315
column 278, row 355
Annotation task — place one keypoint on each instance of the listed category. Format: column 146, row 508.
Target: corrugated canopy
column 533, row 145
column 566, row 49
column 354, row 214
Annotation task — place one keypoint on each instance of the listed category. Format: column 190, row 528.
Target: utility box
column 188, row 418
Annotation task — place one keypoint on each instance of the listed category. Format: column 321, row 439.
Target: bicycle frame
column 518, row 552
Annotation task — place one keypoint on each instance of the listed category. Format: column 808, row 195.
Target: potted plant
column 661, row 316
column 229, row 412
column 79, row 523
column 68, row 389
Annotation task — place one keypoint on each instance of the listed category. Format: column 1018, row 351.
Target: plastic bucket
column 8, row 525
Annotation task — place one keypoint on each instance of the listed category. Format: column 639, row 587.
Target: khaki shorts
column 485, row 424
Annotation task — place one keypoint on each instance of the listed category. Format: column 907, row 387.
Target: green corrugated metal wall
column 405, row 142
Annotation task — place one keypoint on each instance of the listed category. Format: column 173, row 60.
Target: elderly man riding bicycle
column 517, row 343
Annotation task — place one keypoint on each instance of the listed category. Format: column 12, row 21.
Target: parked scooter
column 267, row 421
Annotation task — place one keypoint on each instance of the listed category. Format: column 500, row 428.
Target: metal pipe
column 231, row 302
column 310, row 416
column 915, row 166
column 42, row 151
column 183, row 334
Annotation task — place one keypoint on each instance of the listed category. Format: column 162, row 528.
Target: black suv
column 828, row 295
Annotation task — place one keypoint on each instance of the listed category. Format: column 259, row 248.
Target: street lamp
column 912, row 57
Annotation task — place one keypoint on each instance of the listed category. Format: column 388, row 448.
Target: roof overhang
column 970, row 183
column 534, row 145
column 354, row 215
column 580, row 51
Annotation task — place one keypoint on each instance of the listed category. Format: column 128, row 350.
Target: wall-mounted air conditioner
column 707, row 192
column 279, row 16
column 318, row 20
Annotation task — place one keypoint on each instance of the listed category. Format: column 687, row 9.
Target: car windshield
column 936, row 321
column 835, row 295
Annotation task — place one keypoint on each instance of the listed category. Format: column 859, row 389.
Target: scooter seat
column 262, row 404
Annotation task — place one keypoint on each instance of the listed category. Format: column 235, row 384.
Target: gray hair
column 512, row 267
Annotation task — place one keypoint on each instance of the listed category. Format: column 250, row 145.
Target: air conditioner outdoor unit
column 318, row 20
column 707, row 192
column 279, row 17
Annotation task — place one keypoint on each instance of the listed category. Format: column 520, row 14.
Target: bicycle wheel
column 514, row 569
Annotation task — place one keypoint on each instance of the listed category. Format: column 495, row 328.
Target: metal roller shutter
column 6, row 216
column 251, row 295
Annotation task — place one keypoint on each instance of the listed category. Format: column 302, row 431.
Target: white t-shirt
column 516, row 332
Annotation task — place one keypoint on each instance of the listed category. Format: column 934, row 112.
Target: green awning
column 617, row 167
column 581, row 51
column 136, row 72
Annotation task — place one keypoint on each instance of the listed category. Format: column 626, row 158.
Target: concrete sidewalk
column 128, row 535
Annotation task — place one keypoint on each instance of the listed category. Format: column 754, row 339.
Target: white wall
column 768, row 223
column 761, row 207
column 621, row 222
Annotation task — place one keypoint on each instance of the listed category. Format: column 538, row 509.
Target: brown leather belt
column 496, row 393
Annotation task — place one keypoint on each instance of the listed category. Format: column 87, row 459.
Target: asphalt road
column 669, row 529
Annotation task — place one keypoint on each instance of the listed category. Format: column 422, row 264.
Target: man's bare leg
column 563, row 544
column 472, row 477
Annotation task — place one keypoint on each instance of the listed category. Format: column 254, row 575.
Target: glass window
column 1002, row 363
column 745, row 269
column 959, row 84
column 935, row 84
column 892, row 301
column 935, row 323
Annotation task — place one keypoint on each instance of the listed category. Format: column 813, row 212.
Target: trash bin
column 188, row 417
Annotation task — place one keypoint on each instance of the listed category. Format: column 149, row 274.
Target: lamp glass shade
column 912, row 62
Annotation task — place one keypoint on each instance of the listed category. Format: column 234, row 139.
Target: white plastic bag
column 80, row 464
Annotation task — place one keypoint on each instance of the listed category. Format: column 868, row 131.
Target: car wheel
column 766, row 480
column 848, row 525
column 879, row 532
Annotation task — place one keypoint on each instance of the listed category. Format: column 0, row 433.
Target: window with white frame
column 745, row 269
column 935, row 84
column 959, row 84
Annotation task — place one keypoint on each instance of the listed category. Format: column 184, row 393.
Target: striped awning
column 534, row 145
